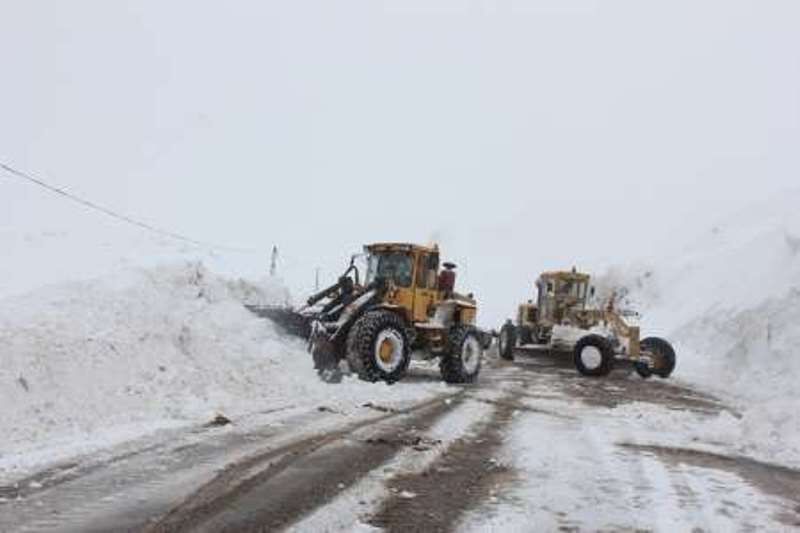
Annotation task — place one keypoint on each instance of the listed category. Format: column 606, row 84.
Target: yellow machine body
column 563, row 299
column 414, row 291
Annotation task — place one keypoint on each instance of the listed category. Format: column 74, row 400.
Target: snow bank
column 147, row 349
column 730, row 302
column 168, row 343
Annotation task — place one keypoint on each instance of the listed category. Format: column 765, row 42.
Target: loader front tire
column 377, row 347
column 462, row 363
column 507, row 341
column 594, row 356
column 664, row 354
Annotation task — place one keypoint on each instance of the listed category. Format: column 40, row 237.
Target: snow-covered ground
column 730, row 302
column 108, row 335
column 109, row 332
column 89, row 363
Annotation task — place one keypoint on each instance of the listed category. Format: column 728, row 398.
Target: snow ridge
column 730, row 302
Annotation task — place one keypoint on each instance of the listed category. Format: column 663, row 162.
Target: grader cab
column 406, row 304
column 566, row 319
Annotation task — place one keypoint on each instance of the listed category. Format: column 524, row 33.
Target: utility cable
column 124, row 218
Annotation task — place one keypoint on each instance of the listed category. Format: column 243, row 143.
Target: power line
column 124, row 218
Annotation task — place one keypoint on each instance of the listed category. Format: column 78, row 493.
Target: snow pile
column 148, row 349
column 730, row 303
column 172, row 343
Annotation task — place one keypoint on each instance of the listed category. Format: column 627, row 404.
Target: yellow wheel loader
column 405, row 305
column 563, row 320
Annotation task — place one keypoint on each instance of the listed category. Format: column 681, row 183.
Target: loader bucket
column 324, row 353
column 288, row 320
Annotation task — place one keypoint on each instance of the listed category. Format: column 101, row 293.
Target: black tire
column 643, row 370
column 362, row 350
column 525, row 335
column 458, row 365
column 507, row 341
column 606, row 356
column 663, row 351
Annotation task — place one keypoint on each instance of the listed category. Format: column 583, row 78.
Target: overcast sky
column 522, row 136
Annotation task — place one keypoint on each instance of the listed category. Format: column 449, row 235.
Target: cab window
column 396, row 267
column 427, row 269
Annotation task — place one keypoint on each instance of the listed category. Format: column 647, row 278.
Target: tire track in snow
column 59, row 473
column 464, row 476
column 127, row 492
column 273, row 489
column 775, row 480
column 349, row 510
column 616, row 389
column 273, row 479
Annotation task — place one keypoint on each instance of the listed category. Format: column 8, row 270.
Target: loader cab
column 412, row 271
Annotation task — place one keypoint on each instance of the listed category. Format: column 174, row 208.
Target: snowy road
column 533, row 447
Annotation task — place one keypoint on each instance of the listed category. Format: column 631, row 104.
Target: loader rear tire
column 377, row 347
column 598, row 348
column 507, row 341
column 463, row 362
column 662, row 350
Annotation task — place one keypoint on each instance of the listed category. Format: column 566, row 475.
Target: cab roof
column 400, row 247
column 565, row 275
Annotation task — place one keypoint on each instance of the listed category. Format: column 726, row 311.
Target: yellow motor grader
column 405, row 304
column 563, row 320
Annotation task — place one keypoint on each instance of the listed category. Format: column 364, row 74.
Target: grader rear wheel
column 593, row 356
column 507, row 341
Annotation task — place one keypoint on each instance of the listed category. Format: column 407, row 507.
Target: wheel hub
column 389, row 350
column 471, row 354
column 385, row 350
column 592, row 357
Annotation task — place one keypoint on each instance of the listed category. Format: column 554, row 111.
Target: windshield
column 574, row 291
column 395, row 266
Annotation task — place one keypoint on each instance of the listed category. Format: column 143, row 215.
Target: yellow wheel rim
column 385, row 351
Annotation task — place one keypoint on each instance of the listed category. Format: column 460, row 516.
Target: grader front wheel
column 663, row 356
